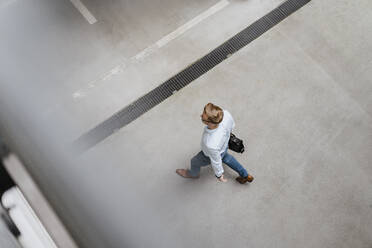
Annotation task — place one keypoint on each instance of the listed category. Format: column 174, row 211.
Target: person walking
column 215, row 140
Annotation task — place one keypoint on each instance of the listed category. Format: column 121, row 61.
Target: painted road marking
column 212, row 10
column 84, row 11
column 151, row 49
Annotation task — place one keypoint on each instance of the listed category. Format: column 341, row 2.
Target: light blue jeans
column 200, row 160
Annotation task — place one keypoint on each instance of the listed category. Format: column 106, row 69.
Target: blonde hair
column 214, row 113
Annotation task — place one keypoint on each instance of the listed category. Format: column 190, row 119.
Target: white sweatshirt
column 214, row 142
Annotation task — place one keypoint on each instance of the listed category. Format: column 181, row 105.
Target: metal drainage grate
column 183, row 78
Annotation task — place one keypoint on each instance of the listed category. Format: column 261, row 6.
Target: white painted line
column 145, row 52
column 212, row 10
column 152, row 48
column 84, row 11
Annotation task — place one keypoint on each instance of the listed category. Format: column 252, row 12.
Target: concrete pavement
column 301, row 99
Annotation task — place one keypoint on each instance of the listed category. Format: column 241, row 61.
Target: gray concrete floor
column 301, row 96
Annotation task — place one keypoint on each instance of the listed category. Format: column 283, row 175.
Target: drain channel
column 185, row 77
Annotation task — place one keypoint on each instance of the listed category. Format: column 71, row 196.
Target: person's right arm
column 216, row 162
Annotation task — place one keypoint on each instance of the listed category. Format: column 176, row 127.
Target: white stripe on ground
column 84, row 11
column 217, row 7
column 151, row 49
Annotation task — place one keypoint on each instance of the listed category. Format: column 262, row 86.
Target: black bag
column 236, row 144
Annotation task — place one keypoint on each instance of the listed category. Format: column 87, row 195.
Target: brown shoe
column 243, row 180
column 184, row 173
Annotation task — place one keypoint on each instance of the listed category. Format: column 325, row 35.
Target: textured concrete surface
column 139, row 76
column 301, row 99
column 51, row 46
column 74, row 62
column 308, row 139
